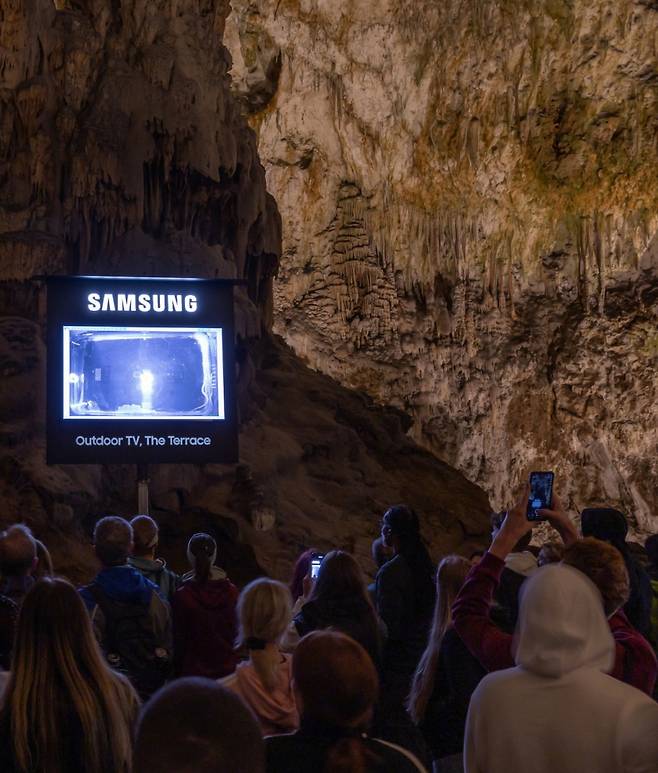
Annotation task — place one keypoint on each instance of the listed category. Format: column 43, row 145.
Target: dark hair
column 339, row 688
column 302, row 566
column 340, row 576
column 194, row 725
column 404, row 525
column 607, row 524
column 204, row 549
column 113, row 538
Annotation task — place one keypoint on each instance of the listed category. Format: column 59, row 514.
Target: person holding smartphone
column 634, row 662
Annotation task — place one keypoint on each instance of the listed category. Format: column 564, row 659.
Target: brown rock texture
column 470, row 218
column 123, row 152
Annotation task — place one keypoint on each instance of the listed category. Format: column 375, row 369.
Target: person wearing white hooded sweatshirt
column 558, row 711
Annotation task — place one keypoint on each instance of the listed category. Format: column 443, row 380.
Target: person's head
column 605, row 567
column 401, row 531
column 605, row 523
column 336, row 686
column 450, row 577
column 201, row 553
column 562, row 626
column 264, row 613
column 380, row 553
column 145, row 536
column 58, row 671
column 18, row 551
column 340, row 577
column 651, row 546
column 302, row 569
column 113, row 540
column 195, row 726
column 550, row 553
column 400, row 526
column 496, row 520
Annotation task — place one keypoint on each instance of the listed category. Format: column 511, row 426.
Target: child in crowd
column 204, row 612
column 263, row 682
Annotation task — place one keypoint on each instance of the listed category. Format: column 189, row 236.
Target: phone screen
column 541, row 494
column 315, row 566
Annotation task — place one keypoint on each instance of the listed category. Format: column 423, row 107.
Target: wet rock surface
column 470, row 225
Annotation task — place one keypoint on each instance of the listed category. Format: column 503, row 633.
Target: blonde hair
column 264, row 612
column 58, row 670
column 450, row 577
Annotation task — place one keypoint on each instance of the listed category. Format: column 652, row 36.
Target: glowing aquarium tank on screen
column 143, row 373
column 141, row 370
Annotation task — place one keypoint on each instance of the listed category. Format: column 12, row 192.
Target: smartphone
column 541, row 494
column 315, row 564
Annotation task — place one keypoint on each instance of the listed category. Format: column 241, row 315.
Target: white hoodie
column 558, row 711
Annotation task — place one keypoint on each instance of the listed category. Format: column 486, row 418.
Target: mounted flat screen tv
column 141, row 370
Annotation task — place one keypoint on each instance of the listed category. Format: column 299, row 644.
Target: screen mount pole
column 142, row 489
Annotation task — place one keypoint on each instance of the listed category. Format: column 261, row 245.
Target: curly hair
column 605, row 567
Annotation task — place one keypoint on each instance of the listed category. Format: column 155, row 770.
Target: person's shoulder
column 395, row 757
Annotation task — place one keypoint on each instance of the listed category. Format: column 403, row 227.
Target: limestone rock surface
column 470, row 223
column 122, row 151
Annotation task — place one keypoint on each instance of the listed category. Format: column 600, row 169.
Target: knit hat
column 604, row 523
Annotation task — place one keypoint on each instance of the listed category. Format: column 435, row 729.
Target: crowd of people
column 518, row 658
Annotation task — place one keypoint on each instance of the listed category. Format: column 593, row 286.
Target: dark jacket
column 306, row 751
column 635, row 661
column 354, row 617
column 457, row 675
column 407, row 624
column 16, row 588
column 127, row 585
column 8, row 617
column 638, row 606
column 205, row 627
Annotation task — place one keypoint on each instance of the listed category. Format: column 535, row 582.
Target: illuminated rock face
column 469, row 214
column 123, row 152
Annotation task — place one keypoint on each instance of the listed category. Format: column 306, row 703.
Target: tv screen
column 142, row 373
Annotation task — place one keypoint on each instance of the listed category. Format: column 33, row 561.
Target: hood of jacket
column 524, row 563
column 152, row 566
column 277, row 707
column 124, row 583
column 213, row 594
column 562, row 626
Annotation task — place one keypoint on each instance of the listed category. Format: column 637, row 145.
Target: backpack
column 129, row 643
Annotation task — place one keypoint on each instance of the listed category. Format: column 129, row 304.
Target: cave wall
column 470, row 217
column 122, row 151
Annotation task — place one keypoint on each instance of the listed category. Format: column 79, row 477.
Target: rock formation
column 470, row 222
column 123, row 152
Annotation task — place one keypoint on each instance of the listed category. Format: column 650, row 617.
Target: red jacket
column 635, row 661
column 205, row 627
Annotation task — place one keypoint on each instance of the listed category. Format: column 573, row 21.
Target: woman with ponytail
column 63, row 709
column 204, row 612
column 446, row 676
column 263, row 682
column 336, row 688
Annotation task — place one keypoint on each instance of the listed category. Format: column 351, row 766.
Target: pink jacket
column 275, row 711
